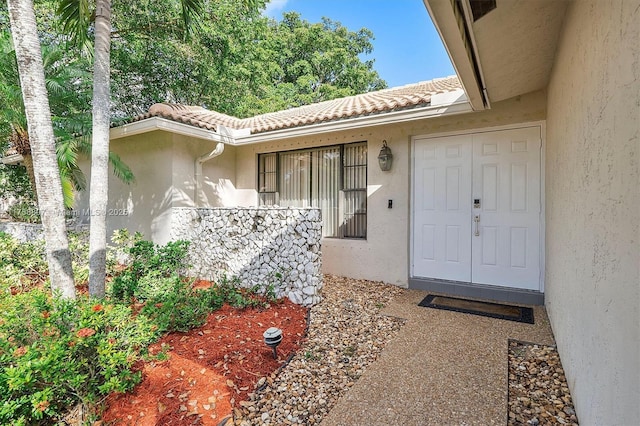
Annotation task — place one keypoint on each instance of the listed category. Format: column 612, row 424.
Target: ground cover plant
column 58, row 354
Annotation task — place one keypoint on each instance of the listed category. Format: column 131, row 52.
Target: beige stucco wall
column 143, row 206
column 218, row 174
column 384, row 256
column 593, row 209
column 164, row 167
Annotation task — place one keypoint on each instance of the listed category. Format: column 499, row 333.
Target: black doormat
column 485, row 309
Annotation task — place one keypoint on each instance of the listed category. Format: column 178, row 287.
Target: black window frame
column 344, row 232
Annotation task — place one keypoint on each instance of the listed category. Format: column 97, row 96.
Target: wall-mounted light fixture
column 385, row 158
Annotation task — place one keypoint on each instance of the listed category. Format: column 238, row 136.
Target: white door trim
column 541, row 124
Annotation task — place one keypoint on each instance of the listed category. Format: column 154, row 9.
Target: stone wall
column 24, row 232
column 260, row 246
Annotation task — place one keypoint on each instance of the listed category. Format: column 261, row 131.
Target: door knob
column 476, row 219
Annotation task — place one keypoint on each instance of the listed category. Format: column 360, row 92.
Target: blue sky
column 407, row 48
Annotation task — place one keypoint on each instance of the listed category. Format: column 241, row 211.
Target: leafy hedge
column 57, row 353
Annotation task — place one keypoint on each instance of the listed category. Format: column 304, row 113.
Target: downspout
column 219, row 149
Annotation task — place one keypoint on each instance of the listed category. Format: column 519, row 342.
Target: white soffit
column 12, row 159
column 157, row 123
column 516, row 44
column 450, row 25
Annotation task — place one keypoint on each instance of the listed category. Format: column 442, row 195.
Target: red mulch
column 209, row 368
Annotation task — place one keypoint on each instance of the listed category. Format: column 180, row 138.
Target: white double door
column 477, row 208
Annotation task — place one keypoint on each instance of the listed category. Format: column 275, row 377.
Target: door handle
column 476, row 219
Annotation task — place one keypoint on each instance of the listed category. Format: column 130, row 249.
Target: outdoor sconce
column 385, row 158
column 272, row 338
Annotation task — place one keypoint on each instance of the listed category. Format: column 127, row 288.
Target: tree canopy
column 235, row 61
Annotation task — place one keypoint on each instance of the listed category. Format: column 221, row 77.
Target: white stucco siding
column 384, row 255
column 143, row 206
column 593, row 208
column 218, row 174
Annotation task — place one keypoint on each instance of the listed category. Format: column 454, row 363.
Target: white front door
column 495, row 241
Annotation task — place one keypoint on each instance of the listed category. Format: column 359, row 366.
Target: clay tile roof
column 387, row 100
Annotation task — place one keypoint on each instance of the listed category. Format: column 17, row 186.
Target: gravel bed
column 346, row 334
column 538, row 391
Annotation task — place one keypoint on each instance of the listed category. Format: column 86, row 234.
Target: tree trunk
column 27, row 159
column 98, row 197
column 43, row 150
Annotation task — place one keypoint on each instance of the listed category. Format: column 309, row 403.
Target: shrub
column 24, row 211
column 175, row 306
column 56, row 353
column 229, row 290
column 150, row 261
column 118, row 252
column 28, row 258
column 79, row 247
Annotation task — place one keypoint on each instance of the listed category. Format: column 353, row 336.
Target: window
column 332, row 178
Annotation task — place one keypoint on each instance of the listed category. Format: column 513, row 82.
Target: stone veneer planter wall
column 24, row 232
column 255, row 244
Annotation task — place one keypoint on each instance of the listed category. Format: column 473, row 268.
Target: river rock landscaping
column 538, row 391
column 346, row 333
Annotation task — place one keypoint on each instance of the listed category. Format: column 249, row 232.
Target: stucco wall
column 164, row 167
column 384, row 256
column 593, row 209
column 143, row 206
column 218, row 174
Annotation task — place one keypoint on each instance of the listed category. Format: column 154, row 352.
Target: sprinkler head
column 272, row 338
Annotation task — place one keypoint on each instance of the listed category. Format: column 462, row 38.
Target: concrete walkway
column 442, row 368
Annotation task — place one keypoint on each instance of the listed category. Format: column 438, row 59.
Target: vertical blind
column 331, row 178
column 326, row 187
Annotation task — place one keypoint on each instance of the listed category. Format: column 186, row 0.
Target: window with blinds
column 332, row 178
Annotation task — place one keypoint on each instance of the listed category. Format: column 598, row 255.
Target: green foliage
column 79, row 247
column 20, row 264
column 147, row 262
column 68, row 82
column 56, row 353
column 173, row 305
column 14, row 182
column 118, row 252
column 23, row 264
column 237, row 62
column 229, row 290
column 24, row 211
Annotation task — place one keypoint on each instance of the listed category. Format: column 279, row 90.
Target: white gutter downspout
column 219, row 149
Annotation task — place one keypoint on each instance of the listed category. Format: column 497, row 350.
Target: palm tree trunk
column 40, row 128
column 27, row 159
column 98, row 197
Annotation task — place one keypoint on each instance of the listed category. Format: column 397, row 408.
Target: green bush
column 175, row 306
column 79, row 247
column 24, row 211
column 229, row 290
column 56, row 353
column 148, row 262
column 27, row 258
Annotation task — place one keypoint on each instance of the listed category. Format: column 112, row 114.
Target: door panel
column 442, row 192
column 506, row 179
column 502, row 170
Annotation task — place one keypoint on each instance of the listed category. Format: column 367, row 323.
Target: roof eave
column 158, row 123
column 459, row 107
column 461, row 54
column 12, row 159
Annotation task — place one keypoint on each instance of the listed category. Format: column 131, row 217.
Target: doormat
column 485, row 309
